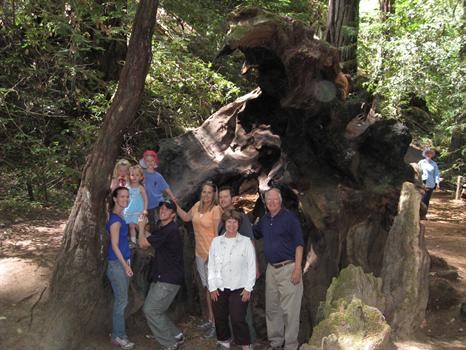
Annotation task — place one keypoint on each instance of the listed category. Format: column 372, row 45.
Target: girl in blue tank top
column 137, row 207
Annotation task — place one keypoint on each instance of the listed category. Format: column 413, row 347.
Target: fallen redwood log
column 292, row 132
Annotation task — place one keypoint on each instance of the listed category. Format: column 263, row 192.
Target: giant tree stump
column 337, row 165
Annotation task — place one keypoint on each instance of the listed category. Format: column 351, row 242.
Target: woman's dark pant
column 229, row 306
column 427, row 194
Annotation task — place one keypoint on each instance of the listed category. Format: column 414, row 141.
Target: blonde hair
column 119, row 163
column 203, row 209
column 138, row 169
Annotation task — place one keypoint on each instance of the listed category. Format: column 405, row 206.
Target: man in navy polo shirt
column 283, row 249
column 167, row 277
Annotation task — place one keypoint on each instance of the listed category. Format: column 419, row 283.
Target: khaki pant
column 155, row 308
column 282, row 306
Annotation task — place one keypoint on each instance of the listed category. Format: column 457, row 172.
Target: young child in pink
column 120, row 177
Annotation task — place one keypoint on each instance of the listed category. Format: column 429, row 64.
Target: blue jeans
column 120, row 282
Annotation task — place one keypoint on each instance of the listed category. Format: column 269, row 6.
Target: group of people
column 225, row 259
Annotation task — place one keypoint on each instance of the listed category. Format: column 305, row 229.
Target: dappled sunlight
column 432, row 345
column 446, row 238
column 444, row 209
column 446, row 230
column 20, row 279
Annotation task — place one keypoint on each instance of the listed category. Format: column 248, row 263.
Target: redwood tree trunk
column 342, row 31
column 77, row 295
column 386, row 7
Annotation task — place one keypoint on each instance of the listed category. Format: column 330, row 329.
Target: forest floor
column 29, row 245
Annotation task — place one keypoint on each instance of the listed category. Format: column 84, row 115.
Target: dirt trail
column 446, row 238
column 28, row 251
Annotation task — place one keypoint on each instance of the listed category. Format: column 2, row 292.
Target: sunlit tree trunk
column 463, row 49
column 386, row 8
column 342, row 31
column 78, row 299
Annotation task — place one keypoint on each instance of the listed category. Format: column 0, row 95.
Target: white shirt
column 232, row 263
column 430, row 172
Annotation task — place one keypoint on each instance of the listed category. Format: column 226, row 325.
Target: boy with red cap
column 155, row 186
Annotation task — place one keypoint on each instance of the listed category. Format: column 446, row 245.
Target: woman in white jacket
column 231, row 278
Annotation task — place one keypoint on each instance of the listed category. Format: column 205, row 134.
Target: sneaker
column 122, row 343
column 171, row 347
column 179, row 338
column 210, row 333
column 205, row 325
column 223, row 345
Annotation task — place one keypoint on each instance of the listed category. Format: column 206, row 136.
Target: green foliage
column 420, row 55
column 308, row 11
column 51, row 100
column 184, row 87
column 416, row 53
column 59, row 66
column 181, row 92
column 201, row 26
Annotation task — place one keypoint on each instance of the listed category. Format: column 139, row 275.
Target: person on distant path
column 283, row 249
column 120, row 177
column 430, row 176
column 167, row 278
column 119, row 267
column 225, row 199
column 137, row 206
column 155, row 186
column 205, row 215
column 232, row 275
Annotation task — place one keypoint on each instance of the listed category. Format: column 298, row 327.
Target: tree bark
column 386, row 7
column 78, row 297
column 342, row 31
column 30, row 191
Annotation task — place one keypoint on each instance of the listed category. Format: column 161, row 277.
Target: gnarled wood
column 292, row 133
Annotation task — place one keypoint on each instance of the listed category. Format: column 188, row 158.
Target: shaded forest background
column 60, row 63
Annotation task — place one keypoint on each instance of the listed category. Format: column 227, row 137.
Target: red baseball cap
column 149, row 153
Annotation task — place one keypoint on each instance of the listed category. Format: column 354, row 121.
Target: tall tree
column 342, row 31
column 386, row 7
column 77, row 293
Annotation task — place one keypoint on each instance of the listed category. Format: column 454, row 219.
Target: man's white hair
column 276, row 190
